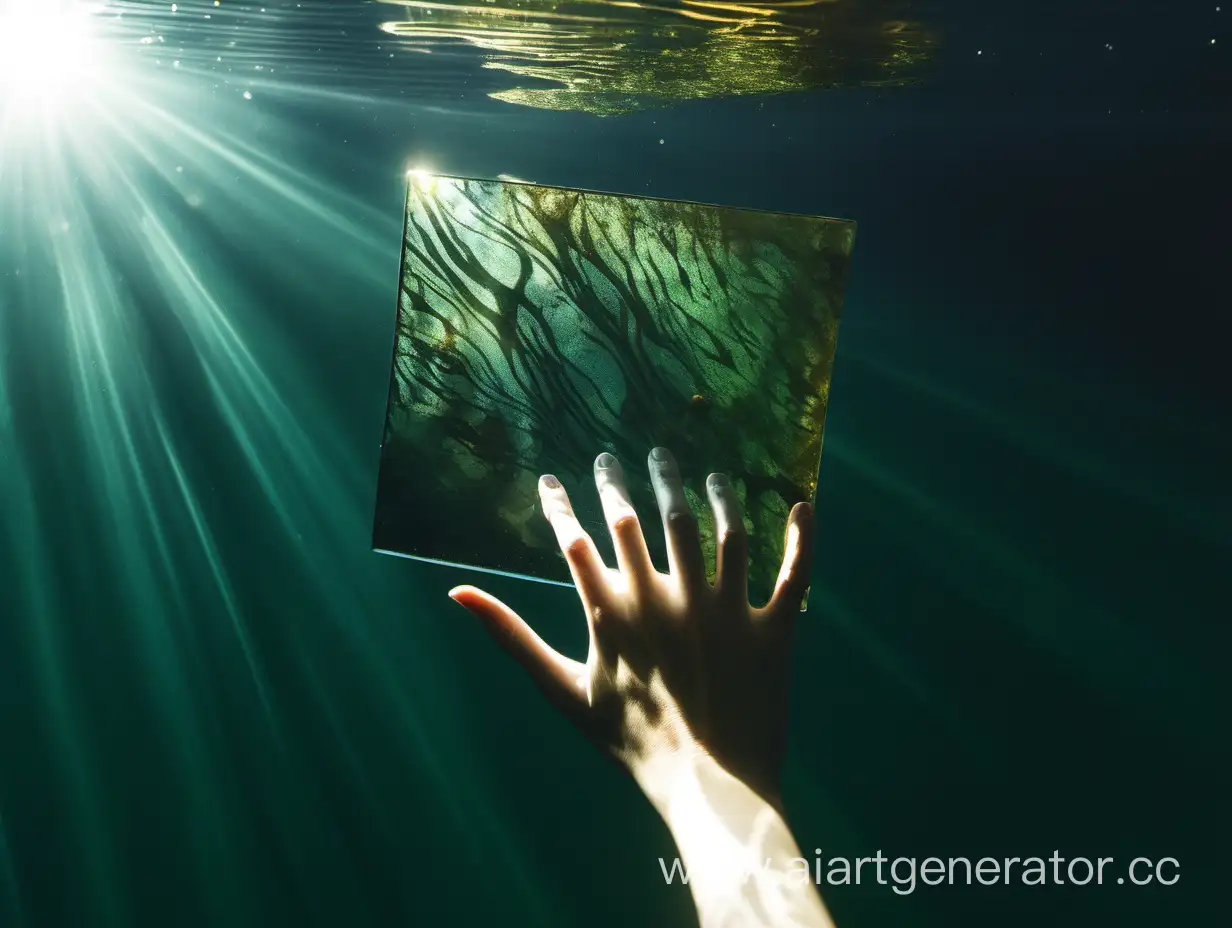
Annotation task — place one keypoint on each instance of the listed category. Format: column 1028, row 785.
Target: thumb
column 559, row 677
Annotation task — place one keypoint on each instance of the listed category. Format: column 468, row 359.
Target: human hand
column 678, row 670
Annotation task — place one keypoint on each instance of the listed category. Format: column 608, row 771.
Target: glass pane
column 539, row 326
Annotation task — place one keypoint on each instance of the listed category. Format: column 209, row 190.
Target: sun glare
column 47, row 53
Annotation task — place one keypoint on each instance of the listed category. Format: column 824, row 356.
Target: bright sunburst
column 48, row 53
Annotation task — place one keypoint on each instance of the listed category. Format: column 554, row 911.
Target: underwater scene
column 285, row 282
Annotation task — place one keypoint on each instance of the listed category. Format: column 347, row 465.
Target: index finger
column 585, row 564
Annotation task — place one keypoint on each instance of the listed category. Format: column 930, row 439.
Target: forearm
column 743, row 866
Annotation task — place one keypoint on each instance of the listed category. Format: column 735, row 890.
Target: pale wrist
column 686, row 784
column 669, row 778
column 666, row 776
column 734, row 845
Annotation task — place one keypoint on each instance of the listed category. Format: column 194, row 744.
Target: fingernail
column 659, row 454
column 550, row 482
column 605, row 460
column 718, row 480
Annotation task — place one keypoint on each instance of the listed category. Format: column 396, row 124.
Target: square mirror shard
column 538, row 327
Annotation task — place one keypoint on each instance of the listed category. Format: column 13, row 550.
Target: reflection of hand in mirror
column 685, row 683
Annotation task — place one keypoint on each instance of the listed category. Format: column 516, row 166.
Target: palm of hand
column 676, row 666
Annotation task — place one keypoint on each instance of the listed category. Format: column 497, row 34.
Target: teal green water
column 217, row 706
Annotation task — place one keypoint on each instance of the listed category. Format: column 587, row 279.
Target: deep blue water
column 218, row 707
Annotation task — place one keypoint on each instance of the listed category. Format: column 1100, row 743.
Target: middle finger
column 622, row 521
column 684, row 547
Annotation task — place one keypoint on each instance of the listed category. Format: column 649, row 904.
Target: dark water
column 217, row 707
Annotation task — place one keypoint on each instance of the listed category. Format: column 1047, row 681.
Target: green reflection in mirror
column 539, row 326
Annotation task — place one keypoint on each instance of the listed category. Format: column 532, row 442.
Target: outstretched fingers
column 561, row 679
